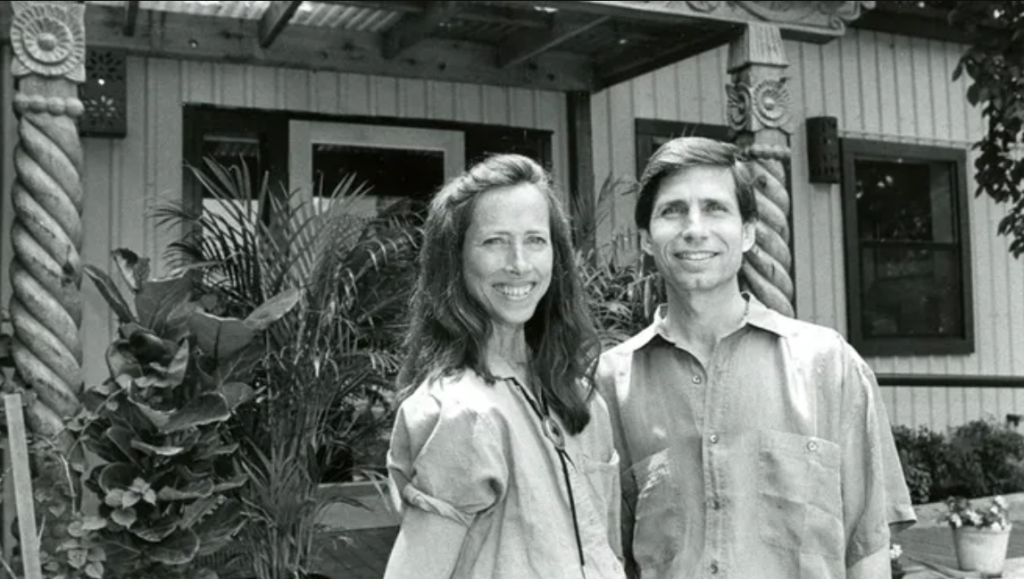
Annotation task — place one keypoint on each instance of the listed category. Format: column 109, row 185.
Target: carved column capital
column 48, row 39
column 758, row 98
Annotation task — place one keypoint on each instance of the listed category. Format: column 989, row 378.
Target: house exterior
column 952, row 356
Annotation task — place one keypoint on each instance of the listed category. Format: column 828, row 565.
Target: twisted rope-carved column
column 759, row 112
column 48, row 40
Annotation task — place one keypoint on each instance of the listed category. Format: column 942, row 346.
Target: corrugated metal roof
column 309, row 14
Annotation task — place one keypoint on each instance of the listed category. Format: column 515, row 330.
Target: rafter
column 274, row 19
column 414, row 28
column 634, row 63
column 131, row 17
column 522, row 47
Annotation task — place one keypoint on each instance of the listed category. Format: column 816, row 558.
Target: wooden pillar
column 581, row 172
column 48, row 42
column 759, row 114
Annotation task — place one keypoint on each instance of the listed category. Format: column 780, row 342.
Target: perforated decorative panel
column 104, row 94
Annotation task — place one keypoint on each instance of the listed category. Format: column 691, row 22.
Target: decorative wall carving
column 766, row 105
column 48, row 39
column 804, row 15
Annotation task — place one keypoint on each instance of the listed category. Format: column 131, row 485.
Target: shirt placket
column 713, row 456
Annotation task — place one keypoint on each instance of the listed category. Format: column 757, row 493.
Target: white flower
column 895, row 551
column 974, row 517
column 954, row 520
column 996, row 526
column 1000, row 502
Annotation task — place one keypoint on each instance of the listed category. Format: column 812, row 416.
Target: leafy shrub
column 986, row 459
column 158, row 422
column 979, row 458
column 924, row 456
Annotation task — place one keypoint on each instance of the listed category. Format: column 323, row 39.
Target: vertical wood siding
column 124, row 178
column 880, row 87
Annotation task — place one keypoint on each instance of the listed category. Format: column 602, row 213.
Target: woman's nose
column 516, row 261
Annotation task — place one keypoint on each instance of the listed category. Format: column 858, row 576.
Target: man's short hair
column 679, row 154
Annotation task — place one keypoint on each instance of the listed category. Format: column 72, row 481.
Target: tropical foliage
column 994, row 63
column 159, row 422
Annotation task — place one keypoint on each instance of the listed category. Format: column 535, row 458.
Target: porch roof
column 564, row 45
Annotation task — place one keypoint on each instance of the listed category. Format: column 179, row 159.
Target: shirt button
column 812, row 446
column 697, row 379
column 714, row 567
column 713, row 438
column 716, row 504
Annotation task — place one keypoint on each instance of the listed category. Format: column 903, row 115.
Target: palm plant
column 621, row 288
column 325, row 380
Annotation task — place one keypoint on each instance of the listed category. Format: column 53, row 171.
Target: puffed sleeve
column 446, row 458
column 875, row 495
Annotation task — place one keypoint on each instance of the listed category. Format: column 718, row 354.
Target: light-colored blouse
column 476, row 454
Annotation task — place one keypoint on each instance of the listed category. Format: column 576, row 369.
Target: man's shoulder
column 809, row 332
column 630, row 345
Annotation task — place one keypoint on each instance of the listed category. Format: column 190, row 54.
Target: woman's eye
column 537, row 240
column 494, row 241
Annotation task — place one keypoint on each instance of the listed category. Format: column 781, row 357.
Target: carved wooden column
column 759, row 113
column 48, row 41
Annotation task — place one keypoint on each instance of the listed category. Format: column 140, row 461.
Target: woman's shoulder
column 460, row 395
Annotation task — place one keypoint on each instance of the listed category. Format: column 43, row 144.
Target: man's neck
column 698, row 320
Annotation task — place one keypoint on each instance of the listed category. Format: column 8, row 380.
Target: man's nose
column 694, row 225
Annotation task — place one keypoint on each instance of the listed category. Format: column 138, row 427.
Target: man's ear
column 645, row 242
column 749, row 234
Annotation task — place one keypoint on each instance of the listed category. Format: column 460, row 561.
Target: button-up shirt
column 476, row 454
column 774, row 461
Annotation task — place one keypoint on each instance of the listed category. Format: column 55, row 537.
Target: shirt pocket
column 656, row 534
column 600, row 476
column 800, row 494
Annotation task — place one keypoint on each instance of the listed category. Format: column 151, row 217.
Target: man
column 753, row 445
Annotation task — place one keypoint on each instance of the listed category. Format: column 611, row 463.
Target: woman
column 501, row 462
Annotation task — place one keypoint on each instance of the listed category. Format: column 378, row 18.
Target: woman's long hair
column 449, row 329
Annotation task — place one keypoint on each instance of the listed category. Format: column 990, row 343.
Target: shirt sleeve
column 446, row 458
column 605, row 380
column 875, row 495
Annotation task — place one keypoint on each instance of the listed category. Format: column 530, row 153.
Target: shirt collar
column 757, row 315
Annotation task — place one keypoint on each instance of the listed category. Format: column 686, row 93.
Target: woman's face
column 507, row 255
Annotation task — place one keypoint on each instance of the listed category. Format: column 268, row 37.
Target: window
column 907, row 249
column 651, row 134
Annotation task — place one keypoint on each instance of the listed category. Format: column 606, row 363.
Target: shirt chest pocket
column 800, row 494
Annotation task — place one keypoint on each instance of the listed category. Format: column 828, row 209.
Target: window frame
column 647, row 130
column 853, row 150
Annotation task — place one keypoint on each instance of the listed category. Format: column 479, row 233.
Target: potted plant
column 895, row 565
column 980, row 535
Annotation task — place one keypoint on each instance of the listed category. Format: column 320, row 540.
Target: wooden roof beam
column 519, row 15
column 131, row 17
column 274, row 19
column 519, row 48
column 319, row 48
column 634, row 63
column 414, row 28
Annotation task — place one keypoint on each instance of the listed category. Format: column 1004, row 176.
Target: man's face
column 697, row 236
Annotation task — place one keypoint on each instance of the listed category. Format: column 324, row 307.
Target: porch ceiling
column 565, row 45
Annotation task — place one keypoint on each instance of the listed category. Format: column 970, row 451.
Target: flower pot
column 982, row 550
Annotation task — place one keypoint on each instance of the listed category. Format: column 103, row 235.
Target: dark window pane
column 907, row 201
column 911, row 292
column 392, row 174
